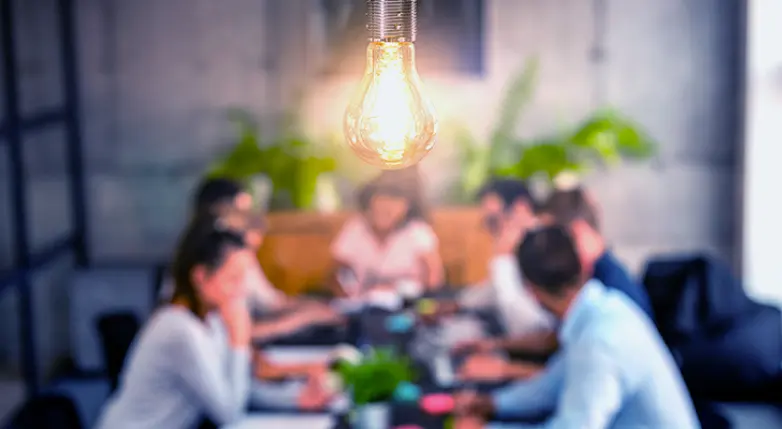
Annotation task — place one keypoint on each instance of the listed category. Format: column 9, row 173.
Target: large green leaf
column 291, row 162
column 547, row 157
column 605, row 137
column 610, row 137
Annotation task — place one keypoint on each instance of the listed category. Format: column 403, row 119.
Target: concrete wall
column 157, row 77
column 669, row 64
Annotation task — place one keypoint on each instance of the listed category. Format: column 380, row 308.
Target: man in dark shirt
column 577, row 210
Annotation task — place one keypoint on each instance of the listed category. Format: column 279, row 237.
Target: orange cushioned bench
column 296, row 258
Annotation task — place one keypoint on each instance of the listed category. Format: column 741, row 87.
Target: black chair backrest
column 117, row 331
column 47, row 412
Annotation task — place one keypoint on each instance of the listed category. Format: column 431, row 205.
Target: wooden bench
column 296, row 257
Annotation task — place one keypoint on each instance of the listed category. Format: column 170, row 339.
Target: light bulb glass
column 389, row 123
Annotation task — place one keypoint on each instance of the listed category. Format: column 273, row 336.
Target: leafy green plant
column 604, row 138
column 375, row 377
column 290, row 161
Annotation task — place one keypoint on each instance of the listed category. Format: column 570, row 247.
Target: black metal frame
column 12, row 130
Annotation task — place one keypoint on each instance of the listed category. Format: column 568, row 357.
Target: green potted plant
column 604, row 138
column 372, row 380
column 288, row 165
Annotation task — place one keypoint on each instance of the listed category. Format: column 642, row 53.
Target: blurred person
column 575, row 209
column 389, row 241
column 291, row 315
column 508, row 212
column 192, row 358
column 283, row 315
column 616, row 370
column 215, row 195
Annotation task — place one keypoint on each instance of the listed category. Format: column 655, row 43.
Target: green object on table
column 376, row 376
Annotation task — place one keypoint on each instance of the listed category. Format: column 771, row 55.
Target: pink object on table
column 439, row 403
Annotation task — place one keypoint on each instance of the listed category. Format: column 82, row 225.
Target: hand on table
column 315, row 395
column 322, row 315
column 472, row 404
column 491, row 368
column 485, row 367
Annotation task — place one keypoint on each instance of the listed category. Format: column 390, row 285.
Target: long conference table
column 366, row 327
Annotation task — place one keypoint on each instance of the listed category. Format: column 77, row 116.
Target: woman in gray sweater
column 192, row 360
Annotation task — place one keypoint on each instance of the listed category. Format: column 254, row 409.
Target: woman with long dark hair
column 181, row 368
column 193, row 360
column 231, row 201
column 389, row 241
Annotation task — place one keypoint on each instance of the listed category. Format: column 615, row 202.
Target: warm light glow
column 390, row 123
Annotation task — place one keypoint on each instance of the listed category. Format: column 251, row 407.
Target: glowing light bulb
column 390, row 123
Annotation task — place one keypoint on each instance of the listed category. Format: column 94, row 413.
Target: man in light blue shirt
column 613, row 370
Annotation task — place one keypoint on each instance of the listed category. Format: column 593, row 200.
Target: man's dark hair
column 568, row 206
column 548, row 259
column 509, row 191
column 212, row 193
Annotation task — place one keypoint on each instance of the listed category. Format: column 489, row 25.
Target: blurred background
column 160, row 93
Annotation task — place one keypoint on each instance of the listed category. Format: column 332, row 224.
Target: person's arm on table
column 543, row 342
column 292, row 322
column 434, row 273
column 345, row 252
column 522, row 371
column 495, row 369
column 427, row 245
column 268, row 370
column 591, row 396
column 533, row 397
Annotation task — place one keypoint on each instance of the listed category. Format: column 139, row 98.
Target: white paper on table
column 298, row 354
column 286, row 421
column 461, row 328
column 386, row 299
column 282, row 395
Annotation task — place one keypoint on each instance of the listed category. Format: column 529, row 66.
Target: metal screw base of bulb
column 392, row 20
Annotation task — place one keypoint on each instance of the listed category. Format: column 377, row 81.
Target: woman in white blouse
column 389, row 241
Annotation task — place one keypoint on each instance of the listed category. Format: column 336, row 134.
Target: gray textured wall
column 157, row 76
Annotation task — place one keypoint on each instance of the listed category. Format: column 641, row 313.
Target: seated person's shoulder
column 614, row 330
column 349, row 238
column 173, row 324
column 355, row 223
column 422, row 234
